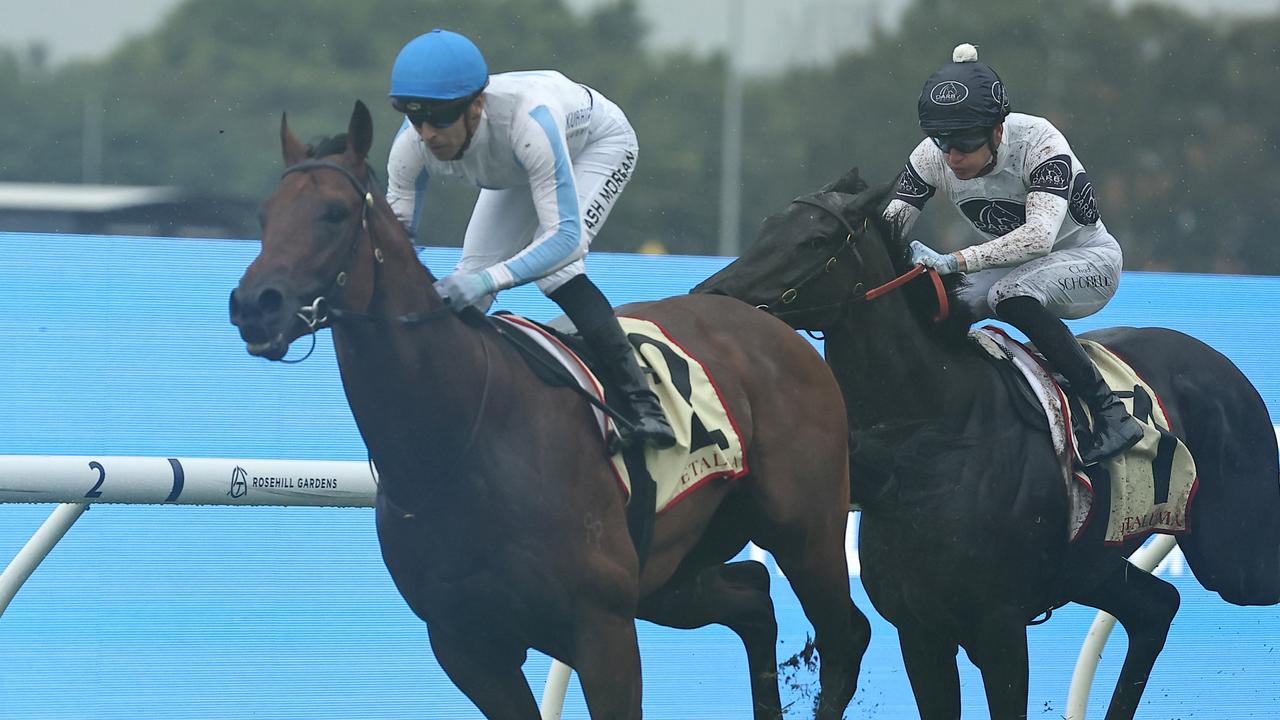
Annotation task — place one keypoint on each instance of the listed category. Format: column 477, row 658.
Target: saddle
column 1027, row 404
column 549, row 367
column 708, row 445
column 1148, row 488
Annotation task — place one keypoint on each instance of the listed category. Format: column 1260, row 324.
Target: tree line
column 1175, row 117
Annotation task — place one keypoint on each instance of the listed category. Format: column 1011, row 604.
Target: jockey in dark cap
column 1046, row 254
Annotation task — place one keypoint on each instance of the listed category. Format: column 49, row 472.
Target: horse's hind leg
column 1145, row 606
column 1234, row 544
column 735, row 595
column 491, row 678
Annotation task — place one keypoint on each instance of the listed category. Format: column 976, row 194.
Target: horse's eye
column 335, row 213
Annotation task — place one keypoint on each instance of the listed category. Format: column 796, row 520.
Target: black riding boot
column 1114, row 429
column 587, row 307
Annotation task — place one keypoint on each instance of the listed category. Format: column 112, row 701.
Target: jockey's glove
column 922, row 254
column 461, row 290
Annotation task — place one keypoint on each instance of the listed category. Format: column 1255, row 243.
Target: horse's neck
column 893, row 369
column 400, row 282
column 412, row 385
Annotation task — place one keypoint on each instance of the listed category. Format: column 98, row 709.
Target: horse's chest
column 481, row 597
column 453, row 576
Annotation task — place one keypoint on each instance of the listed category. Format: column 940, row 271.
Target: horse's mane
column 337, row 145
column 869, row 203
column 325, row 146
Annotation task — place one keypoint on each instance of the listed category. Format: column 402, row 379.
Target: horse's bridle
column 856, row 294
column 317, row 315
column 321, row 312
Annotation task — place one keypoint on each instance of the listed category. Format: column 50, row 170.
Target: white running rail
column 75, row 482
column 1147, row 558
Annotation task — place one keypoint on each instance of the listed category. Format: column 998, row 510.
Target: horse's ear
column 360, row 131
column 851, row 183
column 294, row 151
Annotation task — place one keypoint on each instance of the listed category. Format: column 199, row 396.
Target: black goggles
column 437, row 114
column 965, row 142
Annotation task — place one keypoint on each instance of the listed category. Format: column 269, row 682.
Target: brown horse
column 498, row 516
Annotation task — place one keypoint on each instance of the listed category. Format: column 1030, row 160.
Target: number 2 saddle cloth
column 1151, row 486
column 708, row 444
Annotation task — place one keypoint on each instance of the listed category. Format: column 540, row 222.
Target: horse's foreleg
column 490, row 677
column 815, row 565
column 931, row 668
column 606, row 657
column 1145, row 606
column 735, row 595
column 999, row 650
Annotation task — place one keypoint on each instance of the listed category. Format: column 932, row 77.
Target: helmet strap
column 470, row 133
column 466, row 144
column 991, row 144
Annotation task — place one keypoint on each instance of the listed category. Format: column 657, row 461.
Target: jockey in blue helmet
column 436, row 79
column 551, row 157
column 1046, row 254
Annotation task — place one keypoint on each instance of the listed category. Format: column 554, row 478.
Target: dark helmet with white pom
column 962, row 95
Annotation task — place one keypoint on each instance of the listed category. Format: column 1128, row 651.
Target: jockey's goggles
column 965, row 141
column 435, row 113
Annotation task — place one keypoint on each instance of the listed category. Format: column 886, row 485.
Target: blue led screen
column 121, row 346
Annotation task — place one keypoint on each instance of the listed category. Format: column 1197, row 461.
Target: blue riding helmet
column 962, row 95
column 440, row 65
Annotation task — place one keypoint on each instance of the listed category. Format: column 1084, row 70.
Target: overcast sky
column 773, row 32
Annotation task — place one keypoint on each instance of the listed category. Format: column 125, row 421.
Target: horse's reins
column 856, row 294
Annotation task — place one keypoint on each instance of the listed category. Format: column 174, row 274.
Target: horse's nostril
column 270, row 301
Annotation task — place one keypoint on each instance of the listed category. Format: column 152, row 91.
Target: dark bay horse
column 498, row 516
column 963, row 537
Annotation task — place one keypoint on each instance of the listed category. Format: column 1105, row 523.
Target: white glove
column 462, row 290
column 921, row 254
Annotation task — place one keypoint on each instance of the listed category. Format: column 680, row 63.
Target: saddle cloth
column 1152, row 484
column 708, row 444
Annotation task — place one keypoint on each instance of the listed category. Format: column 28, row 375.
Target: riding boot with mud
column 587, row 307
column 1114, row 429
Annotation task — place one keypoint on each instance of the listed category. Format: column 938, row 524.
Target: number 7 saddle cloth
column 1151, row 486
